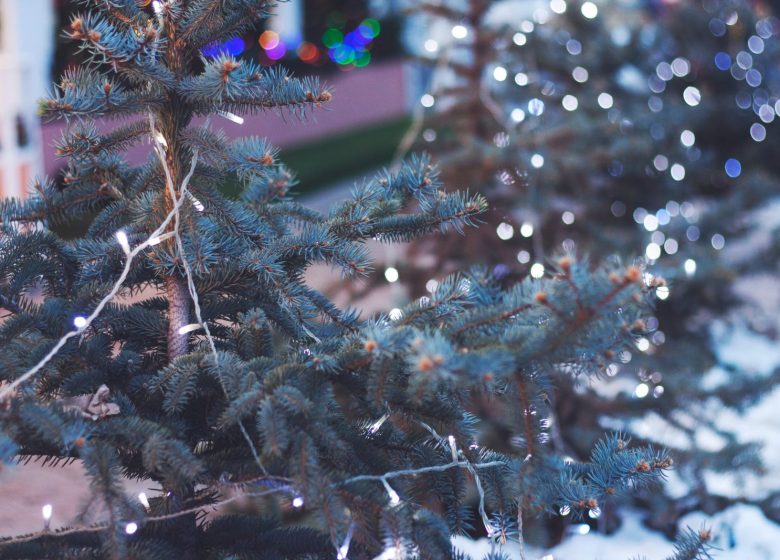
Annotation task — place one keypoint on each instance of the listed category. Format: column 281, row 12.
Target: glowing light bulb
column 499, row 73
column 453, row 447
column 395, row 499
column 80, row 322
column 391, row 274
column 641, row 390
column 460, row 31
column 427, row 100
column 395, row 314
column 431, row 46
column 692, row 96
column 526, row 229
column 131, row 528
column 505, row 231
column 662, row 292
column 690, row 267
column 537, row 270
column 47, row 512
column 537, row 160
column 589, row 10
column 570, row 103
column 687, row 138
column 558, row 6
column 160, row 139
column 144, row 500
column 582, row 528
column 297, row 502
column 653, row 251
column 677, row 171
column 231, row 117
column 195, row 202
column 378, row 424
column 121, row 237
column 189, row 328
column 580, row 74
column 535, row 106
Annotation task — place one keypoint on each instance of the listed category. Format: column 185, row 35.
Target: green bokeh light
column 332, row 38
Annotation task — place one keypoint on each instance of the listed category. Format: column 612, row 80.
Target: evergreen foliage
column 647, row 129
column 218, row 374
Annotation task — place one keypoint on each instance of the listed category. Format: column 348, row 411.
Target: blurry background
column 636, row 171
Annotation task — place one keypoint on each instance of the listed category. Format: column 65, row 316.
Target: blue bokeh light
column 733, row 168
column 722, row 61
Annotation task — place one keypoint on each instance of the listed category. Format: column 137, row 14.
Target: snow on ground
column 740, row 532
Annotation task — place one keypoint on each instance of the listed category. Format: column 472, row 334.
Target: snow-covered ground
column 740, row 532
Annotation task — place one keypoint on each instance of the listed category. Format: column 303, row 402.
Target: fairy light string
column 183, row 192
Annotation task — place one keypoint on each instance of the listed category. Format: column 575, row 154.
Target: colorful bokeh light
column 308, row 52
column 348, row 48
column 269, row 40
column 276, row 52
column 354, row 47
column 234, row 46
column 332, row 38
column 369, row 28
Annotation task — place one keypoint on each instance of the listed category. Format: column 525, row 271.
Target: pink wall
column 361, row 97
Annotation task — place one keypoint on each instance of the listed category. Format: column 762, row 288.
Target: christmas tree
column 613, row 128
column 176, row 341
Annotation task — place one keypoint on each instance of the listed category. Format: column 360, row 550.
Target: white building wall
column 26, row 48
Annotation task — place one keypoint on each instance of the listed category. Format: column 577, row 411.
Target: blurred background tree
column 618, row 128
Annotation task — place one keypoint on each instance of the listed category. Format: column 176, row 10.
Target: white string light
column 82, row 323
column 189, row 328
column 378, row 424
column 395, row 499
column 343, row 550
column 188, row 273
column 297, row 501
column 231, row 117
column 121, row 237
column 47, row 512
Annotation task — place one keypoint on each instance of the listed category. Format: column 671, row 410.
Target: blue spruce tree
column 176, row 341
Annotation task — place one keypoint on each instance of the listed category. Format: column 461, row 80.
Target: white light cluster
column 460, row 31
column 391, row 274
column 589, row 10
column 570, row 103
column 499, row 73
column 505, row 231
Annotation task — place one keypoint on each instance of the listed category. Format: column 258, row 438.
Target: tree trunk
column 178, row 314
